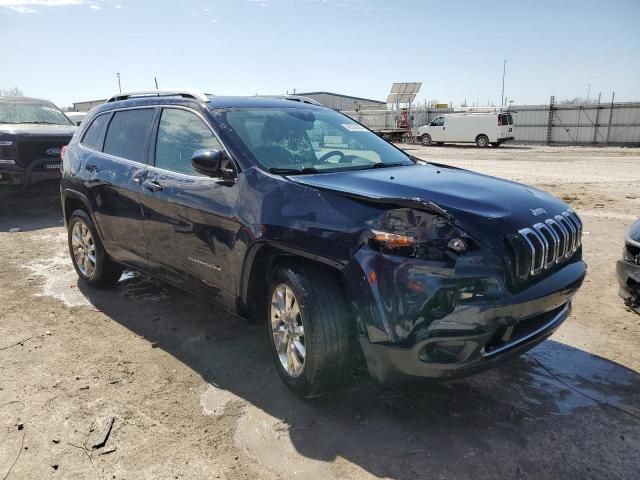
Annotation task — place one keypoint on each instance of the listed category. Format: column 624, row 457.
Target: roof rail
column 296, row 98
column 160, row 93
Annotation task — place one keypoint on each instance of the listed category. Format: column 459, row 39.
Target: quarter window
column 180, row 134
column 94, row 135
column 127, row 134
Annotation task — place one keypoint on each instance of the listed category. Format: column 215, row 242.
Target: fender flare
column 258, row 245
column 69, row 193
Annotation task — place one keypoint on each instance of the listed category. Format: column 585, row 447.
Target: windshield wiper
column 292, row 171
column 385, row 165
column 43, row 123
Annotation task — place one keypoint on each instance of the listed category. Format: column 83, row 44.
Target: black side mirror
column 211, row 163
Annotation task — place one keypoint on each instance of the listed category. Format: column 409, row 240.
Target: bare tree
column 574, row 101
column 11, row 92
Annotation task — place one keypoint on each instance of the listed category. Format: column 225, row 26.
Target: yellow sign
column 441, row 105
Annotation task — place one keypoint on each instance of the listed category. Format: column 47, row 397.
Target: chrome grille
column 547, row 244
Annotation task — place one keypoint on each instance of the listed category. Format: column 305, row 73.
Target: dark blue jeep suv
column 344, row 246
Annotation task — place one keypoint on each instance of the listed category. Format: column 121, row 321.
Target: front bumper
column 37, row 171
column 420, row 321
column 628, row 274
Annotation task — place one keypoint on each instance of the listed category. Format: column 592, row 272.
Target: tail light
column 63, row 152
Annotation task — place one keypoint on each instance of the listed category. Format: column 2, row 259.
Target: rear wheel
column 308, row 329
column 426, row 140
column 482, row 141
column 92, row 264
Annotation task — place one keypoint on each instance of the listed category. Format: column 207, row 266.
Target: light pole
column 588, row 92
column 119, row 86
column 504, row 68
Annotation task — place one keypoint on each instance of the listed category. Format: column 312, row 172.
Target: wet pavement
column 555, row 412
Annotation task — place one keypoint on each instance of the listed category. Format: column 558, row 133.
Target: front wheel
column 426, row 140
column 92, row 264
column 308, row 329
column 482, row 141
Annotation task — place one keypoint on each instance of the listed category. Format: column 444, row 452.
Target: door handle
column 444, row 128
column 91, row 168
column 152, row 185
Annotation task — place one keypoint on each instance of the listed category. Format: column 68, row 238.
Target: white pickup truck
column 483, row 129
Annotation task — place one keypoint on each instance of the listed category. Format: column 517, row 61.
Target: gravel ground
column 193, row 393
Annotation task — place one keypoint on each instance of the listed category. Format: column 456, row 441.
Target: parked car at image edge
column 483, row 129
column 346, row 249
column 32, row 134
column 628, row 268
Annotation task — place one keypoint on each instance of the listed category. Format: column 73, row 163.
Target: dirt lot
column 193, row 392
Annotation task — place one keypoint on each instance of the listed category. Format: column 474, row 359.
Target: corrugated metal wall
column 339, row 102
column 589, row 124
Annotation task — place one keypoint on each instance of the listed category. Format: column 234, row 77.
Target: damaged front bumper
column 420, row 320
column 628, row 274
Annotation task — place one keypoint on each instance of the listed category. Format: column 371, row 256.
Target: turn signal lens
column 392, row 240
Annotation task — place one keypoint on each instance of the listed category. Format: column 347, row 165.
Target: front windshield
column 316, row 140
column 32, row 112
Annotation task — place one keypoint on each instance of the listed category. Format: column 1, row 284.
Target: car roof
column 213, row 102
column 257, row 102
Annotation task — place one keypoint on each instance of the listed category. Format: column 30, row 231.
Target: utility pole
column 155, row 79
column 119, row 85
column 588, row 92
column 504, row 68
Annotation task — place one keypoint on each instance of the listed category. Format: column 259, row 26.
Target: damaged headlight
column 413, row 233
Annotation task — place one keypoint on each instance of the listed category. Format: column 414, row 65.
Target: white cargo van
column 479, row 128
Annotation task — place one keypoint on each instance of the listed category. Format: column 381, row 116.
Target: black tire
column 425, row 140
column 105, row 272
column 482, row 141
column 326, row 339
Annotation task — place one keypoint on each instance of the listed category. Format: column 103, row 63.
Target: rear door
column 190, row 226
column 113, row 180
column 504, row 128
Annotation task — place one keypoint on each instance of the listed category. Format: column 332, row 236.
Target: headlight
column 7, row 152
column 413, row 233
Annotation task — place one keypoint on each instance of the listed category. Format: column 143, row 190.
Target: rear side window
column 180, row 135
column 127, row 134
column 510, row 119
column 95, row 133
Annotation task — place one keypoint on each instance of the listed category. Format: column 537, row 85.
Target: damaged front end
column 433, row 301
column 628, row 268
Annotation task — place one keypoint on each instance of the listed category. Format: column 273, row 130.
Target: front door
column 113, row 179
column 437, row 129
column 189, row 221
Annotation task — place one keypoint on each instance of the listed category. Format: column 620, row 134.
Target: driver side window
column 180, row 134
column 438, row 122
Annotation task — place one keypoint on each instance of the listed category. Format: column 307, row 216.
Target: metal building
column 341, row 102
column 87, row 105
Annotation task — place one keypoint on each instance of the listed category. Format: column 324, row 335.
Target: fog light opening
column 458, row 245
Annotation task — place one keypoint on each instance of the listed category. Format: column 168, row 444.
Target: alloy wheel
column 84, row 248
column 287, row 329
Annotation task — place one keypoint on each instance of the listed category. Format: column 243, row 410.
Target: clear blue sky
column 70, row 50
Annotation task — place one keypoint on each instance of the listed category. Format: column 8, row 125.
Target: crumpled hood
column 30, row 131
column 474, row 199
